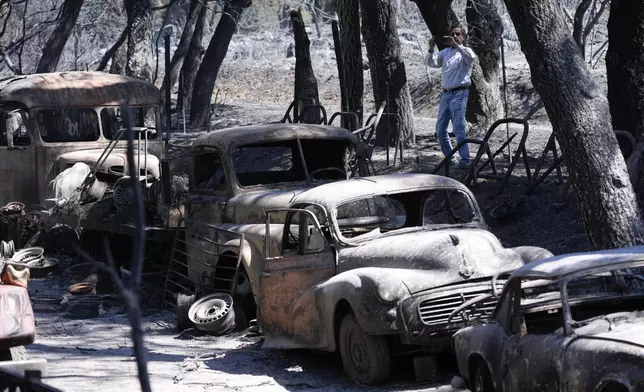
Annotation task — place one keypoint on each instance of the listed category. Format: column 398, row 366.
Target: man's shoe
column 463, row 165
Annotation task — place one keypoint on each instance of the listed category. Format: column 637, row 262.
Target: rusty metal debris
column 475, row 169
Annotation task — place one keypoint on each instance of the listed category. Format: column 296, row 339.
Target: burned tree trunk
column 352, row 67
column 483, row 106
column 192, row 61
column 625, row 66
column 111, row 52
column 119, row 58
column 579, row 113
column 206, row 77
column 388, row 73
column 578, row 24
column 484, row 37
column 306, row 85
column 139, row 43
column 53, row 49
column 184, row 42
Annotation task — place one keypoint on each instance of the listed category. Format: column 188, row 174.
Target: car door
column 531, row 351
column 304, row 259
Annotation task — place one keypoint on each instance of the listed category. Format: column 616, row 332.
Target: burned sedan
column 568, row 323
column 372, row 267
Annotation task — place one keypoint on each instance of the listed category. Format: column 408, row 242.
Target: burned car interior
column 590, row 298
column 280, row 161
column 379, row 214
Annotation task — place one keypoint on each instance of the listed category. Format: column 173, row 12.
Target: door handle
column 266, row 273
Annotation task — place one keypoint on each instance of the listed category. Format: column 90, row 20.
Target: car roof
column 334, row 193
column 559, row 266
column 77, row 88
column 235, row 136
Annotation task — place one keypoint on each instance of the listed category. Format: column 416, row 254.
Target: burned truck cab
column 238, row 173
column 51, row 121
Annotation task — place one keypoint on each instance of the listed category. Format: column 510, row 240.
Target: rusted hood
column 426, row 259
column 250, row 207
column 114, row 164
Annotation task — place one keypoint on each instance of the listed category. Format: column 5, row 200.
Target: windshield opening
column 68, row 125
column 142, row 117
column 13, row 129
column 279, row 162
column 371, row 216
column 590, row 298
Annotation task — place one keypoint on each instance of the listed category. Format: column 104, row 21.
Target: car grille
column 435, row 311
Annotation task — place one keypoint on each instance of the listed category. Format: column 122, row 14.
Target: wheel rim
column 356, row 351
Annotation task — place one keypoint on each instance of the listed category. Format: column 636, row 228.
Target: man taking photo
column 456, row 61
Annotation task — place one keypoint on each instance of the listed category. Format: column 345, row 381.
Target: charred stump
column 139, row 43
column 580, row 117
column 306, row 85
column 388, row 74
column 54, row 46
column 204, row 82
column 351, row 48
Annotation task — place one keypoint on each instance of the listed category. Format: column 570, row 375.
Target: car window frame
column 193, row 178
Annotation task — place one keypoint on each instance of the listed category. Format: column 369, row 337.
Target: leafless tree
column 306, row 85
column 193, row 58
column 184, row 42
column 139, row 43
column 582, row 24
column 388, row 74
column 204, row 83
column 53, row 49
column 351, row 46
column 484, row 103
column 580, row 117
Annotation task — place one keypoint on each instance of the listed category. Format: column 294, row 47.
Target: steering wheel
column 330, row 168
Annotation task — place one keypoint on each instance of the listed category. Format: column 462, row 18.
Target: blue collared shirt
column 457, row 64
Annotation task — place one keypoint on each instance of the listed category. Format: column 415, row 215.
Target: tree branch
column 592, row 23
column 110, row 52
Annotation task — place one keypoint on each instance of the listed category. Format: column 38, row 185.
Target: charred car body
column 567, row 323
column 240, row 172
column 52, row 121
column 366, row 265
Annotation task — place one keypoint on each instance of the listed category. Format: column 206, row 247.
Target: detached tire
column 366, row 358
column 482, row 380
column 184, row 302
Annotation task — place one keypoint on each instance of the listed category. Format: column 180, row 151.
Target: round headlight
column 389, row 289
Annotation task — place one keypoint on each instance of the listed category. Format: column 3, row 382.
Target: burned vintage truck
column 369, row 267
column 238, row 173
column 52, row 121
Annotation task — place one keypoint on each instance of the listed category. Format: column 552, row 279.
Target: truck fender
column 252, row 267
